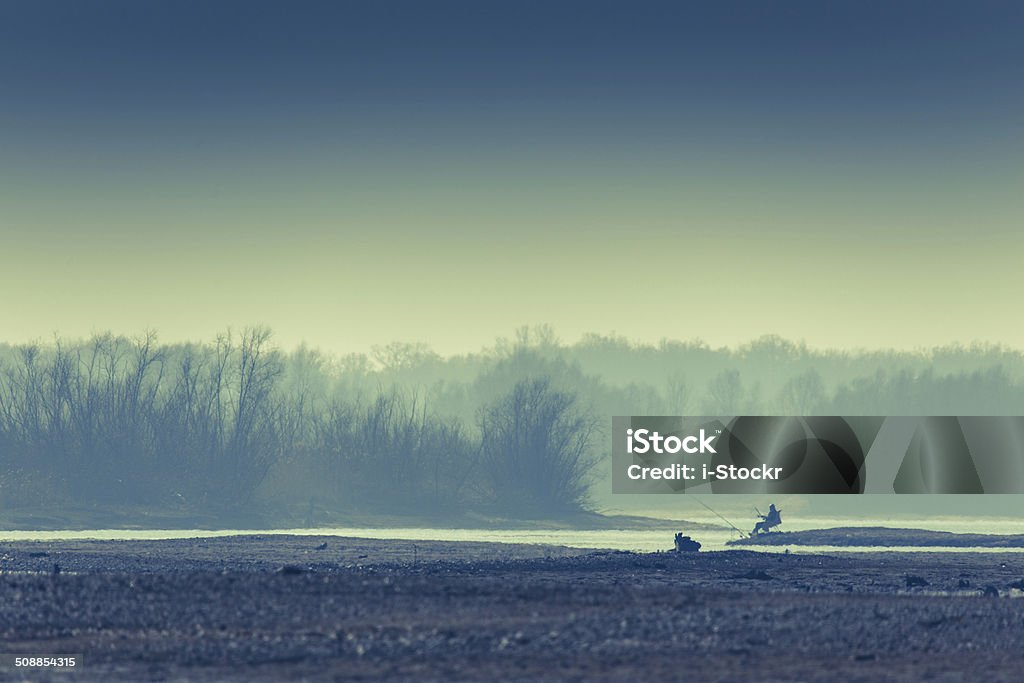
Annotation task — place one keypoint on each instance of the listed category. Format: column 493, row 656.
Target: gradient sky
column 847, row 173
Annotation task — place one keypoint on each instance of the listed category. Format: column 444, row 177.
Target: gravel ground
column 267, row 608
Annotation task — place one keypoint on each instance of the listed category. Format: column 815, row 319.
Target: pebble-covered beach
column 267, row 608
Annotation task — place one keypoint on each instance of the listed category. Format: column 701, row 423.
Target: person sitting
column 769, row 521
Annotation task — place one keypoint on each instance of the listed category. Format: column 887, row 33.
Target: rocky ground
column 285, row 608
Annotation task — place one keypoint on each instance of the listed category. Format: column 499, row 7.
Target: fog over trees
column 517, row 430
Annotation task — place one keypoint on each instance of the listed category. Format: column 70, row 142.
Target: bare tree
column 803, row 394
column 725, row 394
column 537, row 449
column 677, row 394
column 251, row 449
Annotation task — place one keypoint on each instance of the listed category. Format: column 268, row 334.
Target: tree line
column 213, row 426
column 518, row 429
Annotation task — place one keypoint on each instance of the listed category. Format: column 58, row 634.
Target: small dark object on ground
column 756, row 575
column 914, row 581
column 39, row 554
column 291, row 570
column 963, row 583
column 990, row 591
column 56, row 569
column 322, row 546
column 685, row 544
column 1019, row 585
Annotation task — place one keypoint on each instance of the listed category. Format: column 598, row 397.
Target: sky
column 845, row 173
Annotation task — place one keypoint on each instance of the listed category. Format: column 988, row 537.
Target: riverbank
column 882, row 537
column 150, row 517
column 265, row 608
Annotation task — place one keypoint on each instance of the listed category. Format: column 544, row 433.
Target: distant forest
column 516, row 430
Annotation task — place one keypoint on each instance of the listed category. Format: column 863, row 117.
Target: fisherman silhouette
column 772, row 519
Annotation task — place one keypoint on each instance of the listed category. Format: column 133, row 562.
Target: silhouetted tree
column 536, row 445
column 803, row 394
column 725, row 394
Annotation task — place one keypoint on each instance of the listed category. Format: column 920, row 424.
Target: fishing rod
column 734, row 527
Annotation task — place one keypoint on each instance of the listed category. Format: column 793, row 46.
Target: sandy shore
column 223, row 609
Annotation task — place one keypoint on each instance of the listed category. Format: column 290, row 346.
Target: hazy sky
column 354, row 173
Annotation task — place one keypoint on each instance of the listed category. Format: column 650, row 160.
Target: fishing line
column 734, row 527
